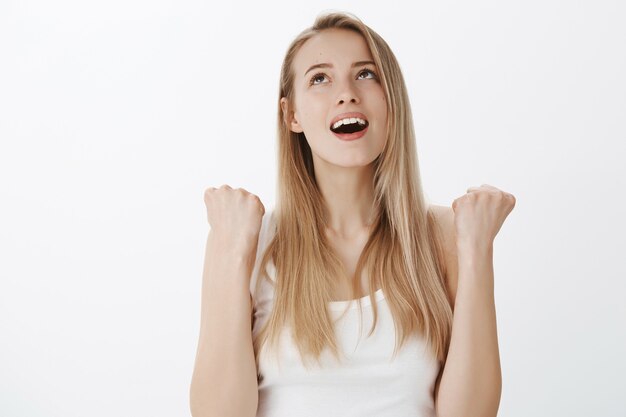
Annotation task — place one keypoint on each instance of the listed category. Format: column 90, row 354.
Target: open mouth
column 352, row 126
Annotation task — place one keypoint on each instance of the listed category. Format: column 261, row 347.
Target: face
column 325, row 94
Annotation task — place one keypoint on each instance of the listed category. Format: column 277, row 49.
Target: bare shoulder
column 445, row 219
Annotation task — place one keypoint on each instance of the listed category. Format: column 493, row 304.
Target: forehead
column 339, row 47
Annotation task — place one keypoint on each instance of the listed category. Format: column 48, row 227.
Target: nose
column 348, row 93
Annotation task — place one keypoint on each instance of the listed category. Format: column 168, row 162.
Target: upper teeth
column 348, row 120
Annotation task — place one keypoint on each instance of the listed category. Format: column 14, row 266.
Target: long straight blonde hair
column 403, row 255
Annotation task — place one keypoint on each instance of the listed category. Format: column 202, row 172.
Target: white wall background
column 115, row 116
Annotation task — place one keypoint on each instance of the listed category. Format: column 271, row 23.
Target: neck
column 348, row 196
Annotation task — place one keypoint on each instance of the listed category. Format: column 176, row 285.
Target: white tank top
column 367, row 383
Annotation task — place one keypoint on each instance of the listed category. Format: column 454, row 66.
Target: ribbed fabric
column 367, row 383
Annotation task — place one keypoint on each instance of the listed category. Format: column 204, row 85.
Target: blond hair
column 403, row 247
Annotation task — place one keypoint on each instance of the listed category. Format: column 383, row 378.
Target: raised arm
column 224, row 381
column 471, row 384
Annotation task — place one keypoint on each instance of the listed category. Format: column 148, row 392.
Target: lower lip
column 351, row 136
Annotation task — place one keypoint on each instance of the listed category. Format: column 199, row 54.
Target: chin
column 353, row 162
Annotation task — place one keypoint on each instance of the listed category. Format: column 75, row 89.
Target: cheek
column 306, row 109
column 313, row 117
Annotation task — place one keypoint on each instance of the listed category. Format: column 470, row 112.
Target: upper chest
column 349, row 251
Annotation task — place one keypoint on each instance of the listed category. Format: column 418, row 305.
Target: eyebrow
column 326, row 65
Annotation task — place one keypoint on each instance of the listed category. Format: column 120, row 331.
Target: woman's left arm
column 471, row 383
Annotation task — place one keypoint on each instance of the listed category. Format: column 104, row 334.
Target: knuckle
column 208, row 193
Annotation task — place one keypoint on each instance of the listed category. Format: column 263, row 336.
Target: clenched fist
column 234, row 215
column 479, row 214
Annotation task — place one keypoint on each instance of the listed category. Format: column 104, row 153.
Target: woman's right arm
column 224, row 381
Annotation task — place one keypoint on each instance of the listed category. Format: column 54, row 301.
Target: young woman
column 351, row 242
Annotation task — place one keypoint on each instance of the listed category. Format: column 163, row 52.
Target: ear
column 289, row 117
